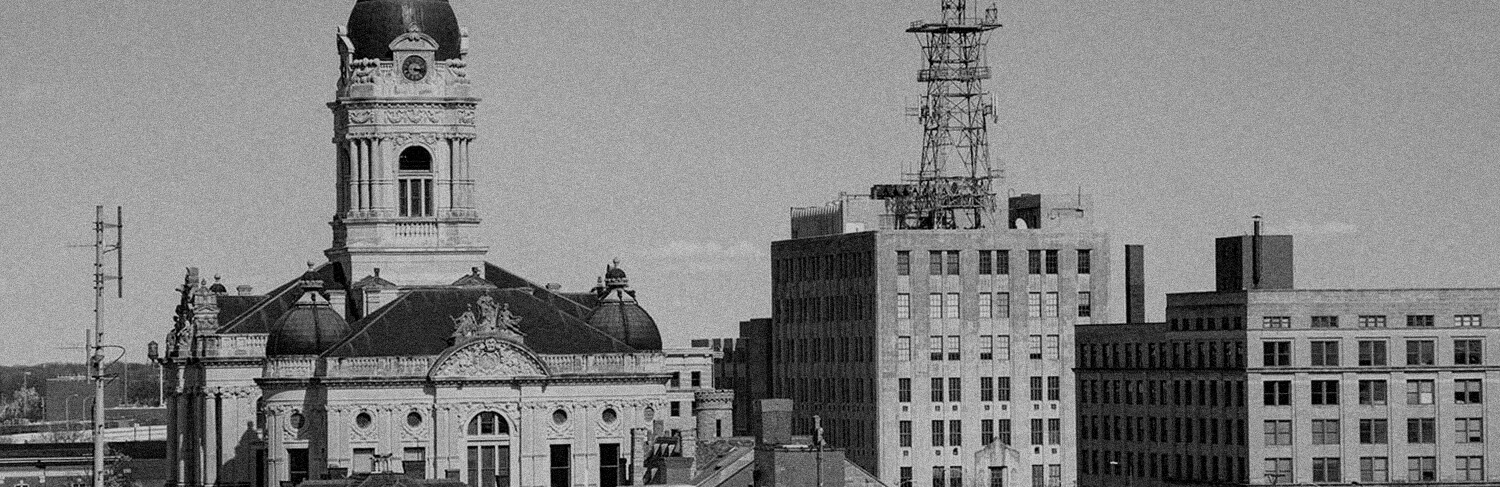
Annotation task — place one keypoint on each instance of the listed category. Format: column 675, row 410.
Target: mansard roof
column 255, row 314
column 421, row 322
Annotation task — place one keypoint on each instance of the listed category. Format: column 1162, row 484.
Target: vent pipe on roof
column 1255, row 256
column 245, row 290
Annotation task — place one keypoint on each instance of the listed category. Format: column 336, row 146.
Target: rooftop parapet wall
column 247, row 345
column 418, row 366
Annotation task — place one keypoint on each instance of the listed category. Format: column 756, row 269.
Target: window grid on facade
column 1034, row 347
column 950, row 305
column 1276, row 354
column 1372, row 392
column 903, row 263
column 937, row 389
column 1002, row 305
column 1325, row 353
column 903, row 306
column 1050, row 305
column 903, row 389
column 1467, row 320
column 1468, row 352
column 934, row 306
column 1325, row 392
column 1469, row 467
column 905, row 433
column 1372, row 353
column 1371, row 321
column 935, row 347
column 1419, row 391
column 1034, row 305
column 1278, row 432
column 1002, row 388
column 1468, row 430
column 1085, row 261
column 1277, row 393
column 986, row 305
column 1036, row 388
column 1325, row 431
column 1468, row 391
column 1374, row 469
column 1325, row 322
column 1326, row 469
column 1085, row 304
column 1419, row 352
column 986, row 347
column 1374, row 431
column 1276, row 322
column 1421, row 469
column 1421, row 430
column 1419, row 320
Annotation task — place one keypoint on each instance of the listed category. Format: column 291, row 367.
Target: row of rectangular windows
column 991, row 262
column 1163, row 393
column 820, row 267
column 850, row 307
column 1278, row 470
column 1189, row 467
column 820, row 390
column 1419, row 431
column 1377, row 469
column 991, row 305
column 1372, row 353
column 950, row 432
column 1371, row 321
column 990, row 389
column 991, row 347
column 824, row 350
column 1157, row 430
column 1196, row 354
column 1048, row 475
column 1373, row 392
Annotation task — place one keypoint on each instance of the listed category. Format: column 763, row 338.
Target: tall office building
column 941, row 354
column 928, row 328
column 1258, row 383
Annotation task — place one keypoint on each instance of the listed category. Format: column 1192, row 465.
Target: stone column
column 211, row 438
column 382, row 179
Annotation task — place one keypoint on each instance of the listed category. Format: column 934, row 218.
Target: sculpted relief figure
column 493, row 318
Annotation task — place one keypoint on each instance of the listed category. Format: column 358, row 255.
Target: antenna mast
column 954, row 186
column 95, row 342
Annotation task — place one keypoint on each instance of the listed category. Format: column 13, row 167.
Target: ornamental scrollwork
column 361, row 116
column 488, row 357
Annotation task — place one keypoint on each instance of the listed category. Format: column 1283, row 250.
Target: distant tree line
column 22, row 387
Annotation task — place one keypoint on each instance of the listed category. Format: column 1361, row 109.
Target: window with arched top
column 488, row 423
column 414, row 177
column 489, row 456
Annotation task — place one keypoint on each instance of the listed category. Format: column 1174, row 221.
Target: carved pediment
column 487, row 358
column 414, row 41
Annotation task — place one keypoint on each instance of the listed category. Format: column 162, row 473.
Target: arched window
column 414, row 174
column 488, row 423
column 489, row 462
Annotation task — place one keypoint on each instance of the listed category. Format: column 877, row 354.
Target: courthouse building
column 406, row 351
column 1261, row 383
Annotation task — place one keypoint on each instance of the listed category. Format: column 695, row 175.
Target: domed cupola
column 620, row 315
column 310, row 326
column 375, row 23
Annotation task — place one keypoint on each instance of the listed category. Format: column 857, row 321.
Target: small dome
column 373, row 24
column 309, row 327
column 622, row 317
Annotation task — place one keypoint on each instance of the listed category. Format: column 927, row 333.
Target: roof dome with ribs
column 375, row 23
column 310, row 326
column 620, row 315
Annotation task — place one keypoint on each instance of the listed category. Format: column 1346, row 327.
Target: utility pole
column 96, row 336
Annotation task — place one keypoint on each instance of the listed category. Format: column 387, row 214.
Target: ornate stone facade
column 443, row 365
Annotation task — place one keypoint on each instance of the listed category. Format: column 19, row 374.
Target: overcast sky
column 675, row 135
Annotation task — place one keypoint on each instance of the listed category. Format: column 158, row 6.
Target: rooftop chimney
column 1135, row 284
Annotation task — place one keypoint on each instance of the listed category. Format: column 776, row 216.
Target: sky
column 676, row 135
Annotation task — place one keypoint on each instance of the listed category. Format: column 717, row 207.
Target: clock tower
column 403, row 121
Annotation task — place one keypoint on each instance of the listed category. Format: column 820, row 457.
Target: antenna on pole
column 95, row 340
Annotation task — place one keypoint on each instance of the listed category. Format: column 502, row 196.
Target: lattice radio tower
column 954, row 186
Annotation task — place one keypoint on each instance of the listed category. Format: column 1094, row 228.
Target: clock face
column 414, row 68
